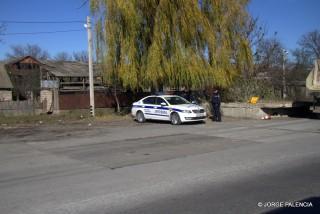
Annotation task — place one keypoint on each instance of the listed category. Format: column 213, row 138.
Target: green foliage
column 244, row 88
column 152, row 43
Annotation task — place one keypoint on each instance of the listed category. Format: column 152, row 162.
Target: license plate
column 199, row 115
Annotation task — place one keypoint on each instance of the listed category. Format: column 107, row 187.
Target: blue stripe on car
column 155, row 107
column 175, row 109
column 158, row 114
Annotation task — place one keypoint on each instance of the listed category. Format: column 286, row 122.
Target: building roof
column 68, row 68
column 5, row 81
column 19, row 59
column 60, row 68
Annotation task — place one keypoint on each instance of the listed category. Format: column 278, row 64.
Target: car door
column 162, row 110
column 149, row 106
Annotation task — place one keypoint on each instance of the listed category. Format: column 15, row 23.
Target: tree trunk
column 116, row 99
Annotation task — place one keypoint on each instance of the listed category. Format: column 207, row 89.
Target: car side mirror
column 163, row 104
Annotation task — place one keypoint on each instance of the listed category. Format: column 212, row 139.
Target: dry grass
column 70, row 117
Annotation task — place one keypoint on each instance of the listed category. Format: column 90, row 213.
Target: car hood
column 187, row 107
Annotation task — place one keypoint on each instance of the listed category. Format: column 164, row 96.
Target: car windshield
column 176, row 100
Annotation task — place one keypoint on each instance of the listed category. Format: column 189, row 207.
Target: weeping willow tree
column 173, row 43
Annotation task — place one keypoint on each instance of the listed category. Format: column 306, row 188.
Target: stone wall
column 242, row 110
column 17, row 108
column 46, row 97
column 5, row 95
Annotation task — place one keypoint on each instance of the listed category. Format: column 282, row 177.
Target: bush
column 244, row 88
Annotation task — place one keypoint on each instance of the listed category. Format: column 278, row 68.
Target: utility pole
column 284, row 88
column 91, row 84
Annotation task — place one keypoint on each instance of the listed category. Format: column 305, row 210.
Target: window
column 176, row 100
column 159, row 100
column 66, row 79
column 75, row 79
column 150, row 100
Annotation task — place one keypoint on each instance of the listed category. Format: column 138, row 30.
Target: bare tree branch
column 27, row 50
column 255, row 32
column 63, row 56
column 81, row 56
column 310, row 43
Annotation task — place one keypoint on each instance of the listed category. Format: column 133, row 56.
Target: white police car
column 168, row 108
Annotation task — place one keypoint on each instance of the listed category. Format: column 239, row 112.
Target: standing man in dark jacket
column 216, row 101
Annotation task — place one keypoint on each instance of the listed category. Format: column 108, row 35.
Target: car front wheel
column 175, row 119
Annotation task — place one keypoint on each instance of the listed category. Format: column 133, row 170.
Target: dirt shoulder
column 38, row 128
column 47, row 128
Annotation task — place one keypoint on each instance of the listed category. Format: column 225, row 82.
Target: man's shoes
column 215, row 120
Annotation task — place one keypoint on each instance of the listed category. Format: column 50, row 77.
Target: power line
column 41, row 22
column 83, row 4
column 43, row 32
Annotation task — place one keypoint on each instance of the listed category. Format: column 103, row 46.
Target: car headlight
column 186, row 111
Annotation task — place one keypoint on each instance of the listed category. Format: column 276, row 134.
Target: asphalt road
column 237, row 166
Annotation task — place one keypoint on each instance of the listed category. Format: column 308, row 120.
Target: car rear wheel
column 175, row 119
column 140, row 117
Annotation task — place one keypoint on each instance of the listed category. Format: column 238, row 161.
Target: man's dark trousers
column 216, row 112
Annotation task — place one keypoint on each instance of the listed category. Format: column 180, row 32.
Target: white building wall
column 46, row 97
column 5, row 95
